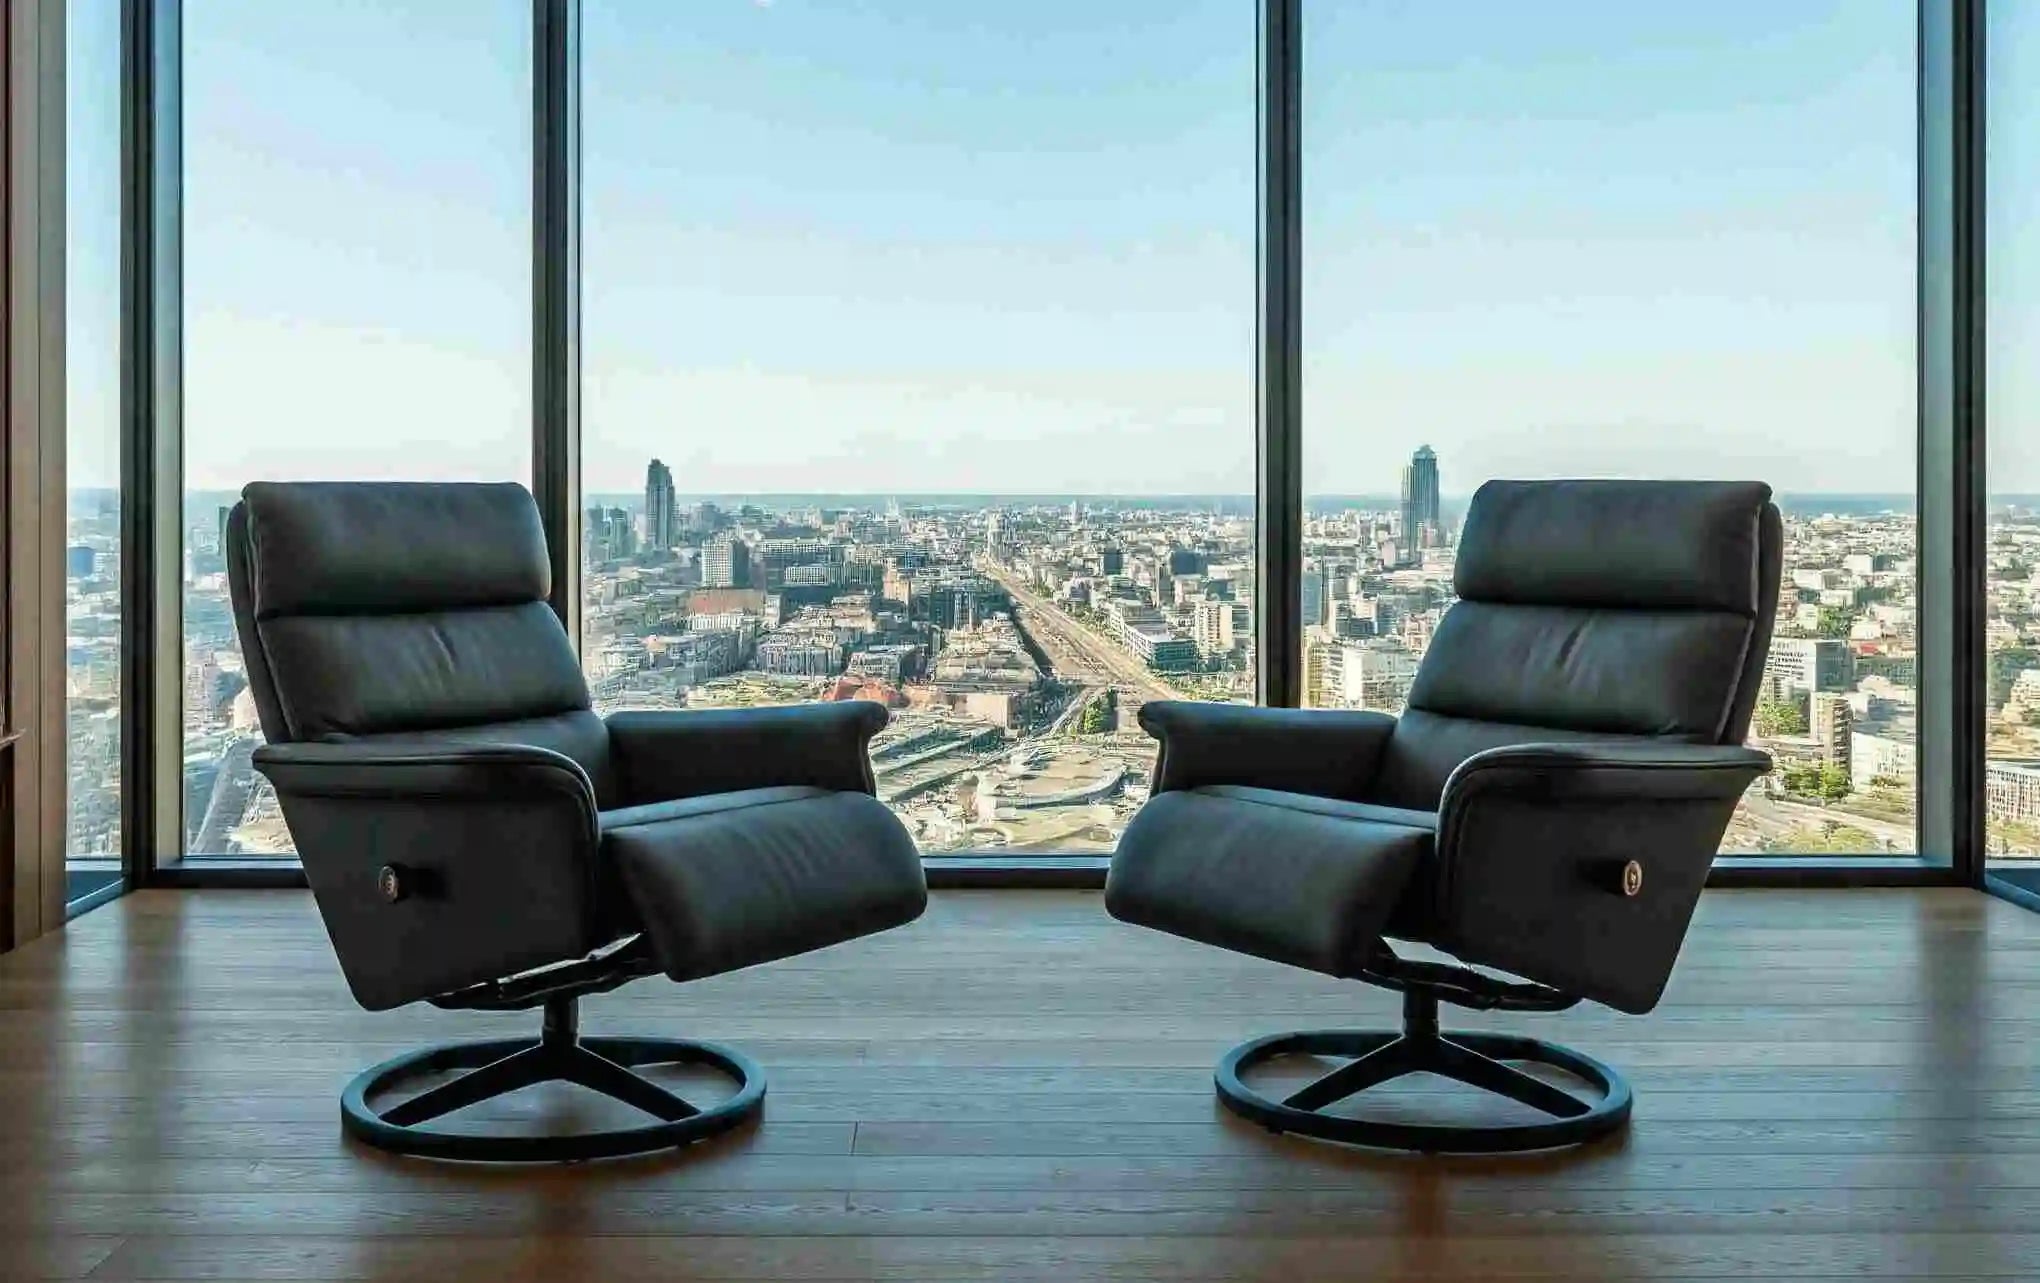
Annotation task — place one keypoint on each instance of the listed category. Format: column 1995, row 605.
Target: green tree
column 1834, row 783
column 1780, row 717
column 2004, row 666
column 1834, row 621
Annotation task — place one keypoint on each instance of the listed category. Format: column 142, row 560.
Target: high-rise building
column 1420, row 515
column 609, row 536
column 1832, row 724
column 1808, row 664
column 1212, row 627
column 1321, row 658
column 622, row 535
column 661, row 517
column 725, row 563
column 1317, row 597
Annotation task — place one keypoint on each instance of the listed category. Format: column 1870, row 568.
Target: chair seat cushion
column 735, row 879
column 1309, row 881
column 1371, row 811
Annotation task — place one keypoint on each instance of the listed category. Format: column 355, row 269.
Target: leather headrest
column 1636, row 545
column 391, row 547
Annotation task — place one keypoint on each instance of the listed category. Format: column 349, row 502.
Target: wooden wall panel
column 32, row 524
column 7, row 735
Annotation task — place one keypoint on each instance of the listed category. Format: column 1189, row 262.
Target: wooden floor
column 1840, row 1084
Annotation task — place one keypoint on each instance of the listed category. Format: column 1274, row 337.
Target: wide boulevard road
column 1063, row 635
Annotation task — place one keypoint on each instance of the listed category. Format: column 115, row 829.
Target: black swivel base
column 1473, row 1059
column 605, row 1065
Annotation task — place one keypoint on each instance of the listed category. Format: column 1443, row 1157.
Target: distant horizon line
column 1799, row 503
column 1861, row 504
column 1086, row 495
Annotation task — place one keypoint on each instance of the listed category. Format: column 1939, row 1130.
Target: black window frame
column 1950, row 436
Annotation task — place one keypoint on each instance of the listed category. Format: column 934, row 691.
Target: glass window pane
column 357, row 296
column 2012, row 391
column 1596, row 238
column 92, row 606
column 918, row 343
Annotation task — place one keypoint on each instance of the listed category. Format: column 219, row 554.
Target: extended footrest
column 497, row 1068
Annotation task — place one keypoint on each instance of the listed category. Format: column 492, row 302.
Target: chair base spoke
column 1475, row 1059
column 1389, row 1061
column 494, row 1069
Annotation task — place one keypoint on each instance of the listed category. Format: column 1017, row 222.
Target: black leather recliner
column 1548, row 805
column 477, row 836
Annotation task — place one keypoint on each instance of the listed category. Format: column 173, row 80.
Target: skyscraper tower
column 1317, row 595
column 1419, row 504
column 662, row 520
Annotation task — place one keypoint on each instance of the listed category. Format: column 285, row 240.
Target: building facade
column 1421, row 523
column 1807, row 665
column 726, row 563
column 661, row 518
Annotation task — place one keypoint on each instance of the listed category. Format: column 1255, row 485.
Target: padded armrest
column 1534, row 847
column 664, row 756
column 1617, row 769
column 466, row 771
column 1322, row 752
column 490, row 851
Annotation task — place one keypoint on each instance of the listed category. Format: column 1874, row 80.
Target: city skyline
column 1016, row 636
column 1245, row 498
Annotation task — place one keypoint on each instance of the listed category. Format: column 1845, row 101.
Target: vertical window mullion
column 1952, row 590
column 1278, row 446
column 556, row 295
column 152, row 416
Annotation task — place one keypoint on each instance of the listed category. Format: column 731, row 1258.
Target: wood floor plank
column 1009, row 1259
column 41, row 1255
column 1839, row 1084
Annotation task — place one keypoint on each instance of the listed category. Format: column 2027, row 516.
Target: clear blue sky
column 946, row 246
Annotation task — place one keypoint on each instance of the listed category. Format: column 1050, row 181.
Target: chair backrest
column 1589, row 610
column 405, row 611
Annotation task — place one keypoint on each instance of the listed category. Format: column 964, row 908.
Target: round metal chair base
column 1472, row 1058
column 605, row 1065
